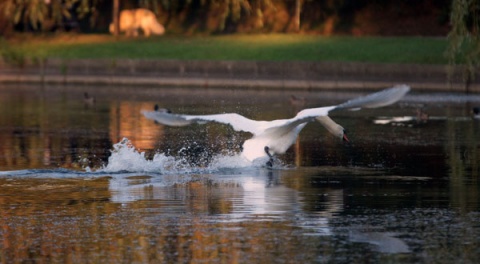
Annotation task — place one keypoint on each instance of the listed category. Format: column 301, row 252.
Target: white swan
column 276, row 136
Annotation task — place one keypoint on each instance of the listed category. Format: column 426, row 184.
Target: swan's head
column 332, row 127
column 339, row 132
column 161, row 110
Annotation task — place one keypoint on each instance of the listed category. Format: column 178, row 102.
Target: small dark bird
column 161, row 110
column 476, row 113
column 88, row 100
column 296, row 101
column 422, row 116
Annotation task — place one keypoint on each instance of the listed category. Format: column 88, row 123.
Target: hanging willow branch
column 464, row 37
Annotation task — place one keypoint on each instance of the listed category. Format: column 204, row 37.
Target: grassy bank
column 277, row 47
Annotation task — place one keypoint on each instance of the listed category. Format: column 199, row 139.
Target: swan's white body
column 279, row 135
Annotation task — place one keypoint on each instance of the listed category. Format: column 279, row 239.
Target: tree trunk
column 116, row 26
column 298, row 10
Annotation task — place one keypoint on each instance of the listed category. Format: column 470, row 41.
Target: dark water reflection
column 405, row 190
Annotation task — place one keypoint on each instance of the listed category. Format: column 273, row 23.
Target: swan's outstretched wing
column 238, row 122
column 374, row 100
column 378, row 99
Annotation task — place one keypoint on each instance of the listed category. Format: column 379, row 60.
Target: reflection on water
column 126, row 122
column 384, row 242
column 72, row 190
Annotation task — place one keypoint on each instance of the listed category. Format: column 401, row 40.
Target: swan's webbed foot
column 269, row 163
column 270, row 156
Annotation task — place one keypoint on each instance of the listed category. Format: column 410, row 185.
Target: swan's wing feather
column 168, row 119
column 378, row 99
column 238, row 122
column 304, row 116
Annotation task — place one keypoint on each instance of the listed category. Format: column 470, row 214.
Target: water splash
column 126, row 161
column 126, row 158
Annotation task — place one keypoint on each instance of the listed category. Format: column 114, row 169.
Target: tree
column 296, row 16
column 31, row 13
column 464, row 37
column 211, row 15
column 41, row 15
column 115, row 15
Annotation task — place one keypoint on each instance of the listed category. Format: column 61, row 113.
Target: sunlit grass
column 275, row 47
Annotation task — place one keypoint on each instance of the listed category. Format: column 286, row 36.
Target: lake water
column 100, row 183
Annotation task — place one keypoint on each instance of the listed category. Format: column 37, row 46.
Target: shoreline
column 247, row 74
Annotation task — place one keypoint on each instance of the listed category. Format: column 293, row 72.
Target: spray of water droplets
column 126, row 158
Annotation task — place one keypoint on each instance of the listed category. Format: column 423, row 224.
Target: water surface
column 84, row 182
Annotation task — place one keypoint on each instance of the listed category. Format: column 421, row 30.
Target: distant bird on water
column 276, row 136
column 476, row 113
column 88, row 100
column 297, row 101
column 422, row 116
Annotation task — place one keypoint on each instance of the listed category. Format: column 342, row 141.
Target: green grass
column 275, row 47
